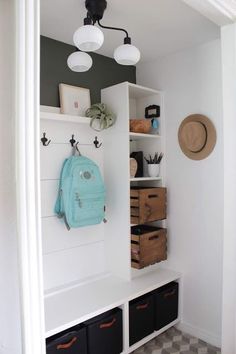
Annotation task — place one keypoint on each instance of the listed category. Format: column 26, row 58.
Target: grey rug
column 175, row 342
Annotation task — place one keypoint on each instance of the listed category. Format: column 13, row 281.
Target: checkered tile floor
column 175, row 342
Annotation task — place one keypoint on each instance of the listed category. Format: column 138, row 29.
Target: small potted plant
column 154, row 164
column 101, row 117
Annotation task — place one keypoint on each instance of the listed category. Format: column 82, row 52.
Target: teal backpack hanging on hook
column 81, row 195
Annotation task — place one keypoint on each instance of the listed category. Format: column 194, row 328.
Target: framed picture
column 74, row 100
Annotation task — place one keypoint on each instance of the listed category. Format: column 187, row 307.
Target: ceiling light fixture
column 79, row 62
column 89, row 38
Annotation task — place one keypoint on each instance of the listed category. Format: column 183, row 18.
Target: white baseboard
column 207, row 337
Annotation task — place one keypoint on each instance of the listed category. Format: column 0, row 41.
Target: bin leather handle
column 108, row 325
column 170, row 293
column 142, row 307
column 67, row 345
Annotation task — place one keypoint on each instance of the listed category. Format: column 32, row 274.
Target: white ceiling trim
column 221, row 12
column 227, row 7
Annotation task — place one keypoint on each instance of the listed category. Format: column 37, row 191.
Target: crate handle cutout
column 108, row 325
column 155, row 237
column 134, row 211
column 142, row 307
column 135, row 242
column 149, row 209
column 153, row 196
column 134, row 260
column 170, row 294
column 67, row 345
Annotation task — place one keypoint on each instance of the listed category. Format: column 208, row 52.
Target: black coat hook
column 72, row 140
column 44, row 140
column 96, row 143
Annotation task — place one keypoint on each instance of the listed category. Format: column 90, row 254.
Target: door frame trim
column 27, row 161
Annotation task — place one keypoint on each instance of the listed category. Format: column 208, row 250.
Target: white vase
column 153, row 170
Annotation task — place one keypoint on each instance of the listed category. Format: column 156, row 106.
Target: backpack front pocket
column 88, row 210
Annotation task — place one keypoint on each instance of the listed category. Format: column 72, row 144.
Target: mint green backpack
column 81, row 195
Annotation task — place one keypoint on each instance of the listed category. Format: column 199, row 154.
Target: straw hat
column 197, row 136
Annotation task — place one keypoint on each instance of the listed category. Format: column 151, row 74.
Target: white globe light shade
column 127, row 54
column 88, row 38
column 79, row 62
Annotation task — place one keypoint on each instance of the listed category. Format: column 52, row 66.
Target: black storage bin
column 141, row 318
column 105, row 333
column 72, row 341
column 166, row 304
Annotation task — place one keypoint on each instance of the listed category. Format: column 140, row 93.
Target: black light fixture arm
column 127, row 39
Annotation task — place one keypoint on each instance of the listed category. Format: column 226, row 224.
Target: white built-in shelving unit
column 88, row 271
column 129, row 101
column 65, row 309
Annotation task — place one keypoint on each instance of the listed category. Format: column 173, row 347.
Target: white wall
column 192, row 81
column 9, row 305
column 229, row 270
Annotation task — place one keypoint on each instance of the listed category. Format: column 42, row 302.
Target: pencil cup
column 153, row 170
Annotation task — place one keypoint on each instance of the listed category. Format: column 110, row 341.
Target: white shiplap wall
column 78, row 254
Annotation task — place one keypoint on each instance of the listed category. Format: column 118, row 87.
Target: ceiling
column 157, row 27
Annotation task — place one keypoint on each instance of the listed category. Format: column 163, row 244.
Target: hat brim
column 210, row 137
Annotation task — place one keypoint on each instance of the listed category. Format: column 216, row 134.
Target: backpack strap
column 58, row 206
column 76, row 149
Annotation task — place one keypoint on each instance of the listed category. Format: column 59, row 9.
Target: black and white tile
column 175, row 342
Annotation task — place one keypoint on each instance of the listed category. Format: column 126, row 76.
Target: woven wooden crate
column 147, row 204
column 148, row 245
column 140, row 125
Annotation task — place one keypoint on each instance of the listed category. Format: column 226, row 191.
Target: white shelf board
column 137, row 91
column 140, row 136
column 65, row 309
column 58, row 117
column 145, row 179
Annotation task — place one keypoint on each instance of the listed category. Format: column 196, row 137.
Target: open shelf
column 139, row 136
column 58, row 117
column 145, row 179
column 69, row 307
column 137, row 91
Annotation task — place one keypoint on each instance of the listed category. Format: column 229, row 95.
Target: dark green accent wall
column 54, row 70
